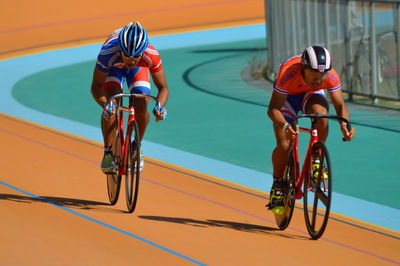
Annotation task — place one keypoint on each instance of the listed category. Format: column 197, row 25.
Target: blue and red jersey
column 110, row 56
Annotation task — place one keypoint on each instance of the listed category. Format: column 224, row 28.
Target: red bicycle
column 126, row 152
column 317, row 187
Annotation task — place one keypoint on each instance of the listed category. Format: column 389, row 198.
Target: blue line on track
column 171, row 169
column 104, row 224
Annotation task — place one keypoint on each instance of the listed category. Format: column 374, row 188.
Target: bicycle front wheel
column 289, row 176
column 132, row 172
column 317, row 190
column 114, row 180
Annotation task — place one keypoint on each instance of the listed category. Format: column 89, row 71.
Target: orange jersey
column 290, row 81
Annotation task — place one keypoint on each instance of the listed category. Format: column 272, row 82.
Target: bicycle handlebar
column 315, row 117
column 117, row 96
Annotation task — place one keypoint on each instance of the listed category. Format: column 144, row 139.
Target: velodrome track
column 53, row 197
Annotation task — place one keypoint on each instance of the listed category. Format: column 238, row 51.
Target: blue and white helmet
column 133, row 40
column 317, row 58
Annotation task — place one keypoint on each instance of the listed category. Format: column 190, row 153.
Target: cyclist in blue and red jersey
column 300, row 86
column 127, row 54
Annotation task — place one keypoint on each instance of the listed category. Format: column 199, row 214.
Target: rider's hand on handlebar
column 289, row 132
column 109, row 110
column 348, row 135
column 159, row 112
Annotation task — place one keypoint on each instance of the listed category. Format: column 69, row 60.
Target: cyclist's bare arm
column 99, row 78
column 341, row 110
column 338, row 103
column 160, row 81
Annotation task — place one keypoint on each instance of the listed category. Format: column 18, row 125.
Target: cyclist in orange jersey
column 299, row 87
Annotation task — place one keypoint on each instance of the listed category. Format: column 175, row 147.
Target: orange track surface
column 204, row 218
column 201, row 217
column 34, row 26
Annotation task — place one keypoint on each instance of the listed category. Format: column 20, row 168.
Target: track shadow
column 65, row 202
column 244, row 227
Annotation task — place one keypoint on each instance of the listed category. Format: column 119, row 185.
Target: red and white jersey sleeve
column 151, row 59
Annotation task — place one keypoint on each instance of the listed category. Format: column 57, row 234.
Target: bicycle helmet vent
column 133, row 40
column 317, row 58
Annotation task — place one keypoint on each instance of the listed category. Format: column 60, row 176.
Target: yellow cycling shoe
column 276, row 200
column 315, row 167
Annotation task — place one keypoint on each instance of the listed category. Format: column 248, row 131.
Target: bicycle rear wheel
column 318, row 192
column 283, row 220
column 114, row 180
column 132, row 166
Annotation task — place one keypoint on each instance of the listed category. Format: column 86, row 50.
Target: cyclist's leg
column 280, row 155
column 316, row 102
column 139, row 82
column 112, row 86
column 142, row 115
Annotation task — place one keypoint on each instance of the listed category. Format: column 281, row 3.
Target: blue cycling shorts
column 296, row 103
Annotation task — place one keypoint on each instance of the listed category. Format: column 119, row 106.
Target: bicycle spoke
column 322, row 196
column 314, row 213
column 319, row 183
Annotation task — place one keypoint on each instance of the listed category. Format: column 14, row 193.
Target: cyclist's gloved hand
column 109, row 109
column 347, row 134
column 159, row 112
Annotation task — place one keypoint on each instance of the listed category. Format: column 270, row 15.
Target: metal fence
column 361, row 35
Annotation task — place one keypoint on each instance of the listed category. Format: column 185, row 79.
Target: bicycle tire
column 317, row 218
column 284, row 219
column 114, row 180
column 132, row 172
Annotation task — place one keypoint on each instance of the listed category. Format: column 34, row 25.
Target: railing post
column 307, row 20
column 338, row 26
column 298, row 25
column 349, row 54
column 326, row 24
column 316, row 27
column 374, row 73
column 397, row 8
column 293, row 27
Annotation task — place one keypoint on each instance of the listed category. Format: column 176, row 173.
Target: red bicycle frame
column 131, row 117
column 313, row 139
column 124, row 147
